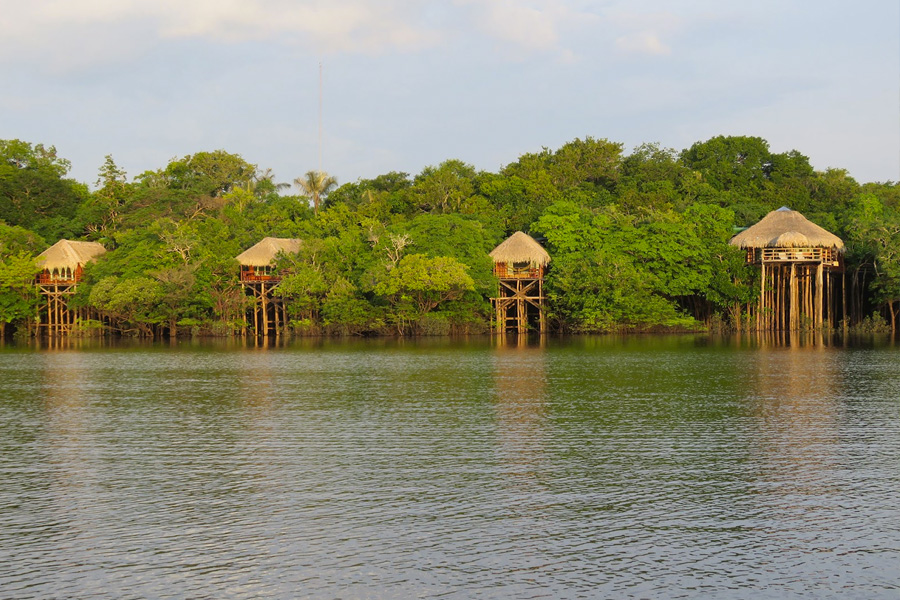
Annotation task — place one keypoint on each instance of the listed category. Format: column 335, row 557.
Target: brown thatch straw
column 790, row 239
column 263, row 253
column 67, row 254
column 786, row 228
column 520, row 248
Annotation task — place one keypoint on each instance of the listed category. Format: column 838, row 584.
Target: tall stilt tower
column 63, row 265
column 259, row 279
column 801, row 272
column 520, row 264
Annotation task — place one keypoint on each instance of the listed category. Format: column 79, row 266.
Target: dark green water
column 645, row 467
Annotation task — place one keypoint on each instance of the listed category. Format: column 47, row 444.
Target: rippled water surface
column 676, row 467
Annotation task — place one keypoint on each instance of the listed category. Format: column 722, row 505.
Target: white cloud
column 72, row 32
column 67, row 34
column 516, row 22
column 645, row 33
column 644, row 42
column 334, row 25
column 529, row 25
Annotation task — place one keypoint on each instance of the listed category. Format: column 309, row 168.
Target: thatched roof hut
column 264, row 252
column 67, row 254
column 786, row 228
column 520, row 248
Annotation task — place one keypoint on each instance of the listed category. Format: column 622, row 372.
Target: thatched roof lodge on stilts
column 63, row 266
column 799, row 287
column 64, row 261
column 520, row 264
column 520, row 254
column 257, row 261
column 259, row 279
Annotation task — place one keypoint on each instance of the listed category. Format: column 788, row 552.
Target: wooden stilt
column 794, row 297
column 265, row 309
column 762, row 296
column 844, row 300
column 820, row 289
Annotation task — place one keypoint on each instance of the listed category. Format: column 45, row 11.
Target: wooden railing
column 824, row 255
column 48, row 279
column 251, row 274
column 504, row 271
column 252, row 278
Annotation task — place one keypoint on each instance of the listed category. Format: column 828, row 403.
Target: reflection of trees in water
column 71, row 491
column 520, row 384
column 797, row 403
column 790, row 339
column 69, row 423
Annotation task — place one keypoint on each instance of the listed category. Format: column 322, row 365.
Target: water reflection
column 69, row 423
column 69, row 495
column 677, row 466
column 520, row 389
column 797, row 404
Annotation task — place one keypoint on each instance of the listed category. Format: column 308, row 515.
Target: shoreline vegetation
column 639, row 241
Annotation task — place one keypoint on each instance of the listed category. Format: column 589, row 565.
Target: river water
column 594, row 467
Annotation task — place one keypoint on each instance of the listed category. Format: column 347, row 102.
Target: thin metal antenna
column 320, row 116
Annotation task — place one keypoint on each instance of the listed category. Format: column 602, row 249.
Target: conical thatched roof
column 786, row 228
column 68, row 254
column 790, row 239
column 264, row 252
column 519, row 248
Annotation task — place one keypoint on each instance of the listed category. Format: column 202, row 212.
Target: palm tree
column 263, row 182
column 316, row 185
column 268, row 176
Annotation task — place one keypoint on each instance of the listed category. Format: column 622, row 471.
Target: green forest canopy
column 639, row 241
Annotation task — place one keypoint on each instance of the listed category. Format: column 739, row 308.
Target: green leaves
column 133, row 301
column 636, row 239
column 315, row 185
column 18, row 294
column 614, row 270
column 420, row 284
column 34, row 192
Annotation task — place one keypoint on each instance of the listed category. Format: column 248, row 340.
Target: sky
column 411, row 83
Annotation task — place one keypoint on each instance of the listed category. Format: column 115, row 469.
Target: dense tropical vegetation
column 639, row 241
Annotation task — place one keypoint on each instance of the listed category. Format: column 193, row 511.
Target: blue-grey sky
column 410, row 83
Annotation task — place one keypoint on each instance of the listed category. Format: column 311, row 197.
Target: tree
column 388, row 194
column 874, row 239
column 592, row 162
column 444, row 188
column 740, row 163
column 34, row 191
column 17, row 154
column 263, row 183
column 519, row 201
column 192, row 187
column 316, row 185
column 420, row 284
column 177, row 295
column 608, row 272
column 133, row 302
column 102, row 212
column 457, row 236
column 18, row 294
